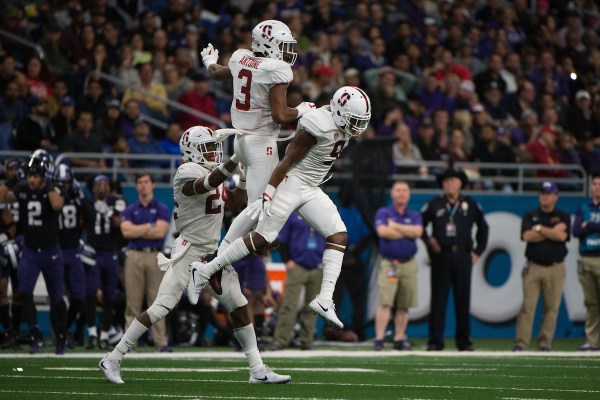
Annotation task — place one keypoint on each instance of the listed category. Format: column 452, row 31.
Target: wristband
column 152, row 224
column 207, row 184
column 207, row 64
column 234, row 158
column 269, row 191
column 224, row 171
column 241, row 185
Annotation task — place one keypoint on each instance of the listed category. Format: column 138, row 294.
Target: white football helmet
column 351, row 109
column 197, row 145
column 275, row 40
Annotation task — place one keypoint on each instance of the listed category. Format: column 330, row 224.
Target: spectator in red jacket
column 199, row 98
column 543, row 151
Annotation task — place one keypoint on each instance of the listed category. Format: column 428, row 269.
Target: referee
column 452, row 217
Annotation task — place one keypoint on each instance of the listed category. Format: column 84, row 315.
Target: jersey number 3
column 245, row 90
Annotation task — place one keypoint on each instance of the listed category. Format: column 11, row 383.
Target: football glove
column 304, row 107
column 210, row 55
column 262, row 205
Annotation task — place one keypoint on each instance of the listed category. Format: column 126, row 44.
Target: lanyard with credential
column 452, row 211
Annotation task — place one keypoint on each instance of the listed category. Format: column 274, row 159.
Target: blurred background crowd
column 451, row 80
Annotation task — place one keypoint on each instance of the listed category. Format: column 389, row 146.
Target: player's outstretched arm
column 212, row 180
column 218, row 72
column 297, row 150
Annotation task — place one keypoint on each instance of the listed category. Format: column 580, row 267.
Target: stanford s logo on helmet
column 266, row 31
column 198, row 146
column 351, row 109
column 274, row 39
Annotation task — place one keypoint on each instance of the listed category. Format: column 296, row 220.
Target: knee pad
column 156, row 312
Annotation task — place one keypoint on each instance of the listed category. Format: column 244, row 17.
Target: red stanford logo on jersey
column 343, row 99
column 266, row 29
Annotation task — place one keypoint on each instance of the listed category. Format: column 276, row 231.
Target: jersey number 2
column 210, row 209
column 245, row 90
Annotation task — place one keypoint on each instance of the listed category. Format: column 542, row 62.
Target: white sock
column 332, row 265
column 104, row 335
column 92, row 331
column 131, row 335
column 235, row 252
column 247, row 339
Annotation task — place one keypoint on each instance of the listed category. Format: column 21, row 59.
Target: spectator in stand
column 590, row 155
column 547, row 69
column 12, row 112
column 525, row 134
column 84, row 54
column 175, row 84
column 431, row 95
column 199, row 98
column 427, row 145
column 60, row 90
column 322, row 83
column 36, row 77
column 131, row 114
column 543, row 151
column 170, row 143
column 493, row 104
column 441, row 127
column 406, row 155
column 154, row 101
column 490, row 150
column 94, row 100
column 110, row 126
column 112, row 43
column 142, row 142
column 83, row 141
column 126, row 71
column 582, row 120
column 63, row 123
column 35, row 131
column 493, row 73
column 455, row 152
column 525, row 100
column 9, row 73
column 447, row 67
column 57, row 56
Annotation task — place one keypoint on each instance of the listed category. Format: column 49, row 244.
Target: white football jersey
column 198, row 219
column 253, row 77
column 331, row 140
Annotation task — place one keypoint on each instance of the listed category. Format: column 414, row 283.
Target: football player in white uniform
column 294, row 185
column 260, row 81
column 199, row 196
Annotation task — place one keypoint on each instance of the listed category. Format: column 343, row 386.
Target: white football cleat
column 111, row 369
column 196, row 284
column 326, row 309
column 266, row 375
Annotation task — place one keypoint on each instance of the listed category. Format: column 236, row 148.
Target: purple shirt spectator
column 137, row 214
column 401, row 249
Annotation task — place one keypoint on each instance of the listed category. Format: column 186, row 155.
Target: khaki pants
column 589, row 277
column 142, row 278
column 297, row 278
column 550, row 282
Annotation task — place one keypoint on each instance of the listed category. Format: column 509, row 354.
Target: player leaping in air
column 260, row 81
column 294, row 185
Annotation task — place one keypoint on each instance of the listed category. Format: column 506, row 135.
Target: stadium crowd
column 485, row 81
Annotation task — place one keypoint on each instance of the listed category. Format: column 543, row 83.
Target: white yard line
column 149, row 395
column 221, row 369
column 318, row 354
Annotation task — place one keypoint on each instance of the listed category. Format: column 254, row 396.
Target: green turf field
column 331, row 373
